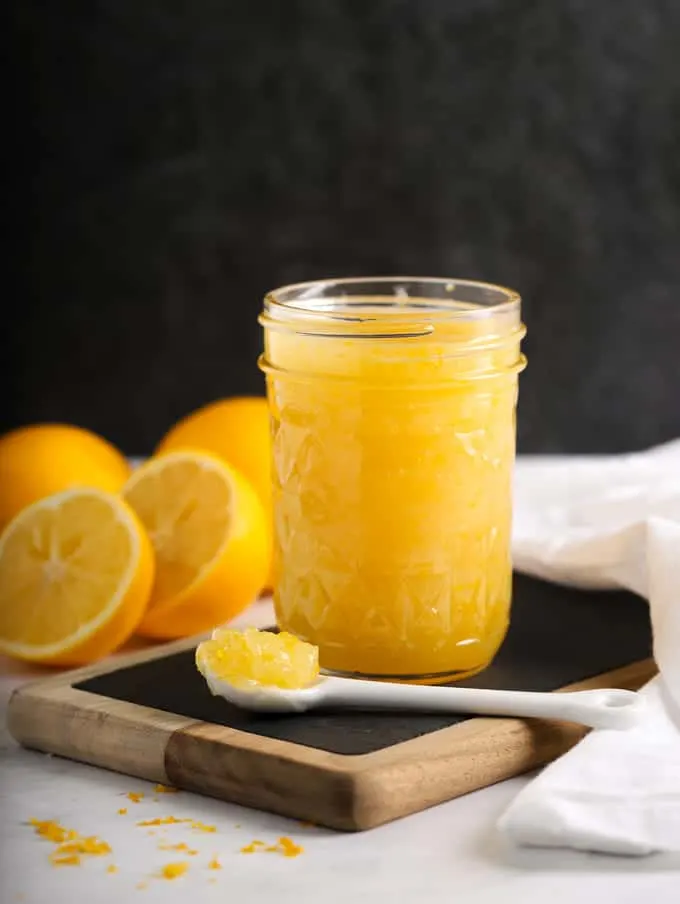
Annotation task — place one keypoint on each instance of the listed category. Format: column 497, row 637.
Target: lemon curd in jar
column 393, row 416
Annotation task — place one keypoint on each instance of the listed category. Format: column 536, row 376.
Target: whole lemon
column 235, row 429
column 42, row 459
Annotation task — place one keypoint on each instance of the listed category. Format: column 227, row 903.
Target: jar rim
column 489, row 316
column 395, row 306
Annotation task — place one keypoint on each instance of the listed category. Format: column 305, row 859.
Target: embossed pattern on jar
column 392, row 463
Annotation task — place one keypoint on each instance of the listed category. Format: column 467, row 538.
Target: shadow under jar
column 393, row 416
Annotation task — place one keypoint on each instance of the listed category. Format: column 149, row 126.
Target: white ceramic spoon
column 605, row 708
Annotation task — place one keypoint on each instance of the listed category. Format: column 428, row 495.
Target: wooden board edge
column 629, row 677
column 469, row 756
column 115, row 663
column 350, row 793
column 93, row 729
column 354, row 793
column 276, row 776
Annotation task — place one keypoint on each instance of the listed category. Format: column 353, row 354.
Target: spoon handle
column 604, row 708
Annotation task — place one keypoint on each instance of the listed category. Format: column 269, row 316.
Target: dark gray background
column 177, row 159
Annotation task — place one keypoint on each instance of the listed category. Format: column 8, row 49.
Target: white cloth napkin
column 605, row 522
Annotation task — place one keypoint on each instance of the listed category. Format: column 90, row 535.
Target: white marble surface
column 449, row 853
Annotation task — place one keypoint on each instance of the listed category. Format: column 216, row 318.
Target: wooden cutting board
column 150, row 715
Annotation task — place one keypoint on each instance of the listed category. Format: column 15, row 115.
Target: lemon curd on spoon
column 252, row 658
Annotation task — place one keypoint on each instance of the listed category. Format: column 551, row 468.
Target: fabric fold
column 600, row 523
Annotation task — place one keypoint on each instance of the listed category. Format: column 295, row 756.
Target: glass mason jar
column 393, row 424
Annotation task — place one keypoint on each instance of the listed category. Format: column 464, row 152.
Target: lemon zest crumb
column 289, row 848
column 69, row 844
column 182, row 846
column 202, row 827
column 163, row 821
column 252, row 847
column 284, row 845
column 174, row 870
column 52, row 831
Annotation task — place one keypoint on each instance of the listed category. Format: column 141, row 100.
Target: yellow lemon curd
column 393, row 449
column 258, row 658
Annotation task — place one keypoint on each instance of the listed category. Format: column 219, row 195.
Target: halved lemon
column 211, row 539
column 76, row 570
column 237, row 430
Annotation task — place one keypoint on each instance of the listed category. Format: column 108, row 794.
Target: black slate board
column 558, row 636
